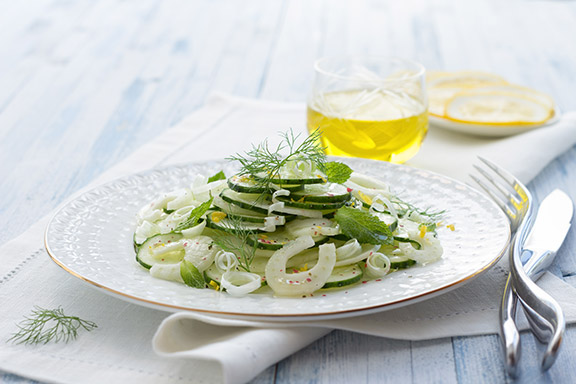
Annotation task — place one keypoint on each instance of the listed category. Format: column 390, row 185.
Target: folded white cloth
column 470, row 310
column 208, row 349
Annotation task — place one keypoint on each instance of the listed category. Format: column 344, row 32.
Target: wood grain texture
column 84, row 83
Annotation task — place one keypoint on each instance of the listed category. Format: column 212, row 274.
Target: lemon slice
column 517, row 90
column 443, row 86
column 463, row 79
column 481, row 106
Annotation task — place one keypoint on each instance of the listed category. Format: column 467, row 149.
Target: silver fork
column 542, row 311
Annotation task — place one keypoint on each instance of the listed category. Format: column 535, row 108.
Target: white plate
column 91, row 238
column 489, row 130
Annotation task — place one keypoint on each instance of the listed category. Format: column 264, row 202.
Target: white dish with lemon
column 485, row 104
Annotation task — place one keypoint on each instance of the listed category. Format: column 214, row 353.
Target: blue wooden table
column 84, row 83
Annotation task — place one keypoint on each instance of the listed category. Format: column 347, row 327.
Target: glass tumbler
column 370, row 107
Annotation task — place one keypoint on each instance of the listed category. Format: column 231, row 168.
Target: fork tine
column 521, row 200
column 492, row 195
column 514, row 199
column 506, row 201
column 511, row 180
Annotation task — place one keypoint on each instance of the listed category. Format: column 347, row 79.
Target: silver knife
column 546, row 236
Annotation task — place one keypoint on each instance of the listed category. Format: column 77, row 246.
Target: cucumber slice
column 233, row 209
column 279, row 238
column 290, row 202
column 146, row 256
column 229, row 226
column 414, row 243
column 345, row 275
column 250, row 217
column 322, row 193
column 251, row 202
column 312, row 227
column 247, row 184
column 401, row 263
column 288, row 181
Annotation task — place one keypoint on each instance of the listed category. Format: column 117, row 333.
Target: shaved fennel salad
column 289, row 221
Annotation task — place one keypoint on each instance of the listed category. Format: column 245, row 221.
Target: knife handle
column 542, row 303
column 508, row 331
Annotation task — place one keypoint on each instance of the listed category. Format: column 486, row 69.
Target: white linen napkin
column 197, row 348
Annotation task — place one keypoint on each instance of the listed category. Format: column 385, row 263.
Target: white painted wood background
column 83, row 83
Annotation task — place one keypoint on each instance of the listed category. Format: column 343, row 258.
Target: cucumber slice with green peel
column 147, row 254
column 276, row 240
column 312, row 227
column 251, row 217
column 322, row 193
column 318, row 179
column 251, row 202
column 230, row 226
column 247, row 184
column 397, row 263
column 290, row 202
column 343, row 276
column 414, row 243
column 227, row 207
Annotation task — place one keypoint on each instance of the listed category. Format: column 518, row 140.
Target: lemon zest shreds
column 365, row 198
column 218, row 216
column 214, row 285
column 423, row 230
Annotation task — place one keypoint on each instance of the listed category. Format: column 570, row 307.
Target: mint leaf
column 363, row 227
column 195, row 216
column 219, row 176
column 337, row 172
column 191, row 275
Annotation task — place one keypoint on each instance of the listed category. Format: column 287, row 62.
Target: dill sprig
column 266, row 163
column 238, row 241
column 49, row 325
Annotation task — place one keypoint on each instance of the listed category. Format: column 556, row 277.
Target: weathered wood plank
column 433, row 361
column 479, row 359
column 83, row 84
column 346, row 357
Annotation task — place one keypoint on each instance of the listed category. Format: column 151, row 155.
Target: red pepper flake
column 323, row 295
column 308, row 279
column 378, row 279
column 364, row 282
column 349, row 189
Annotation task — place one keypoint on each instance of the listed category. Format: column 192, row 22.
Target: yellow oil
column 375, row 124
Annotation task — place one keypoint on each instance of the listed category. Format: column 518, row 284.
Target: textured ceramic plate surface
column 91, row 238
column 489, row 130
